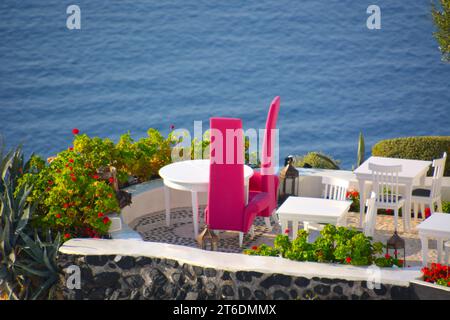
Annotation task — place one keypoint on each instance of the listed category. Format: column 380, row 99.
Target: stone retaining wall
column 127, row 277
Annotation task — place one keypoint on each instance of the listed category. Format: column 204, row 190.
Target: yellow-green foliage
column 441, row 17
column 419, row 148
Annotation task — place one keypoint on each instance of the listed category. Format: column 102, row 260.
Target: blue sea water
column 137, row 64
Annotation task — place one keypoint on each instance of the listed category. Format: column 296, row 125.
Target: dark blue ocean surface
column 140, row 64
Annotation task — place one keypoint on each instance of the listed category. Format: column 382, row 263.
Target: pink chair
column 226, row 208
column 266, row 180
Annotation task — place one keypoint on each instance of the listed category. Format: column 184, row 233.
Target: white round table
column 193, row 176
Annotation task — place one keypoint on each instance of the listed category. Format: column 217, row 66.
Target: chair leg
column 267, row 221
column 241, row 239
column 396, row 219
column 275, row 217
column 422, row 210
column 416, row 211
column 446, row 254
column 439, row 205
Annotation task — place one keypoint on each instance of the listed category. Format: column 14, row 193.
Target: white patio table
column 192, row 176
column 315, row 210
column 413, row 172
column 437, row 226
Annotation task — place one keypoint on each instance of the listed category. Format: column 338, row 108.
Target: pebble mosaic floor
column 152, row 227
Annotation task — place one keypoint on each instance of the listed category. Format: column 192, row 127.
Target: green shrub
column 446, row 206
column 335, row 245
column 441, row 18
column 419, row 148
column 316, row 160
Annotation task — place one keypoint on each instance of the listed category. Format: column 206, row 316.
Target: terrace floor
column 152, row 227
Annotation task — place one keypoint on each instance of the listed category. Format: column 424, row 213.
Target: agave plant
column 27, row 265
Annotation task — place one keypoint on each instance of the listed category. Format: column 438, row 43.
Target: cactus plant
column 361, row 150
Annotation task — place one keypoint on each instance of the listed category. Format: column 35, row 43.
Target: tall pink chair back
column 268, row 147
column 226, row 198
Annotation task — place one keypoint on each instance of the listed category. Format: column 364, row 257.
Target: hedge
column 420, row 148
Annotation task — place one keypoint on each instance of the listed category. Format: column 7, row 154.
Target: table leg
column 195, row 211
column 424, row 242
column 407, row 208
column 294, row 229
column 440, row 244
column 362, row 201
column 167, row 204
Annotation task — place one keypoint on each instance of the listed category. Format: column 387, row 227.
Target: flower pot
column 429, row 291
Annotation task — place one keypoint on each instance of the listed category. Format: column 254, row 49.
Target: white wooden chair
column 385, row 185
column 371, row 216
column 335, row 189
column 430, row 196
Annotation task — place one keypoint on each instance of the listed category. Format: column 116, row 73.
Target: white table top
column 410, row 168
column 192, row 172
column 437, row 222
column 313, row 209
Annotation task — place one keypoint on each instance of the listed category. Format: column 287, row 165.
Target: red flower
column 95, row 176
column 427, row 212
column 255, row 248
column 111, row 180
column 50, row 182
column 100, row 214
column 348, row 260
column 66, row 205
column 401, row 262
column 71, row 160
column 70, row 168
column 48, row 189
column 105, row 220
column 70, row 148
column 286, row 231
column 75, row 131
column 387, row 256
column 110, row 195
column 389, row 211
column 73, row 179
column 67, row 236
column 58, row 215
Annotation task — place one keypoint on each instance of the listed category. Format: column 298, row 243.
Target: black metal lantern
column 396, row 243
column 288, row 180
column 207, row 237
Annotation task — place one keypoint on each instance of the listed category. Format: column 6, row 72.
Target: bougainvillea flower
column 100, row 214
column 254, row 248
column 75, row 131
column 111, row 180
column 348, row 260
column 67, row 236
column 105, row 220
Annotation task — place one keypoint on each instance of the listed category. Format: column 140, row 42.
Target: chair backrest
column 385, row 182
column 371, row 215
column 226, row 199
column 335, row 188
column 268, row 147
column 438, row 173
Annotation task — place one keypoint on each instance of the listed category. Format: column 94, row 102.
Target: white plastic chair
column 335, row 189
column 371, row 216
column 385, row 185
column 430, row 196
